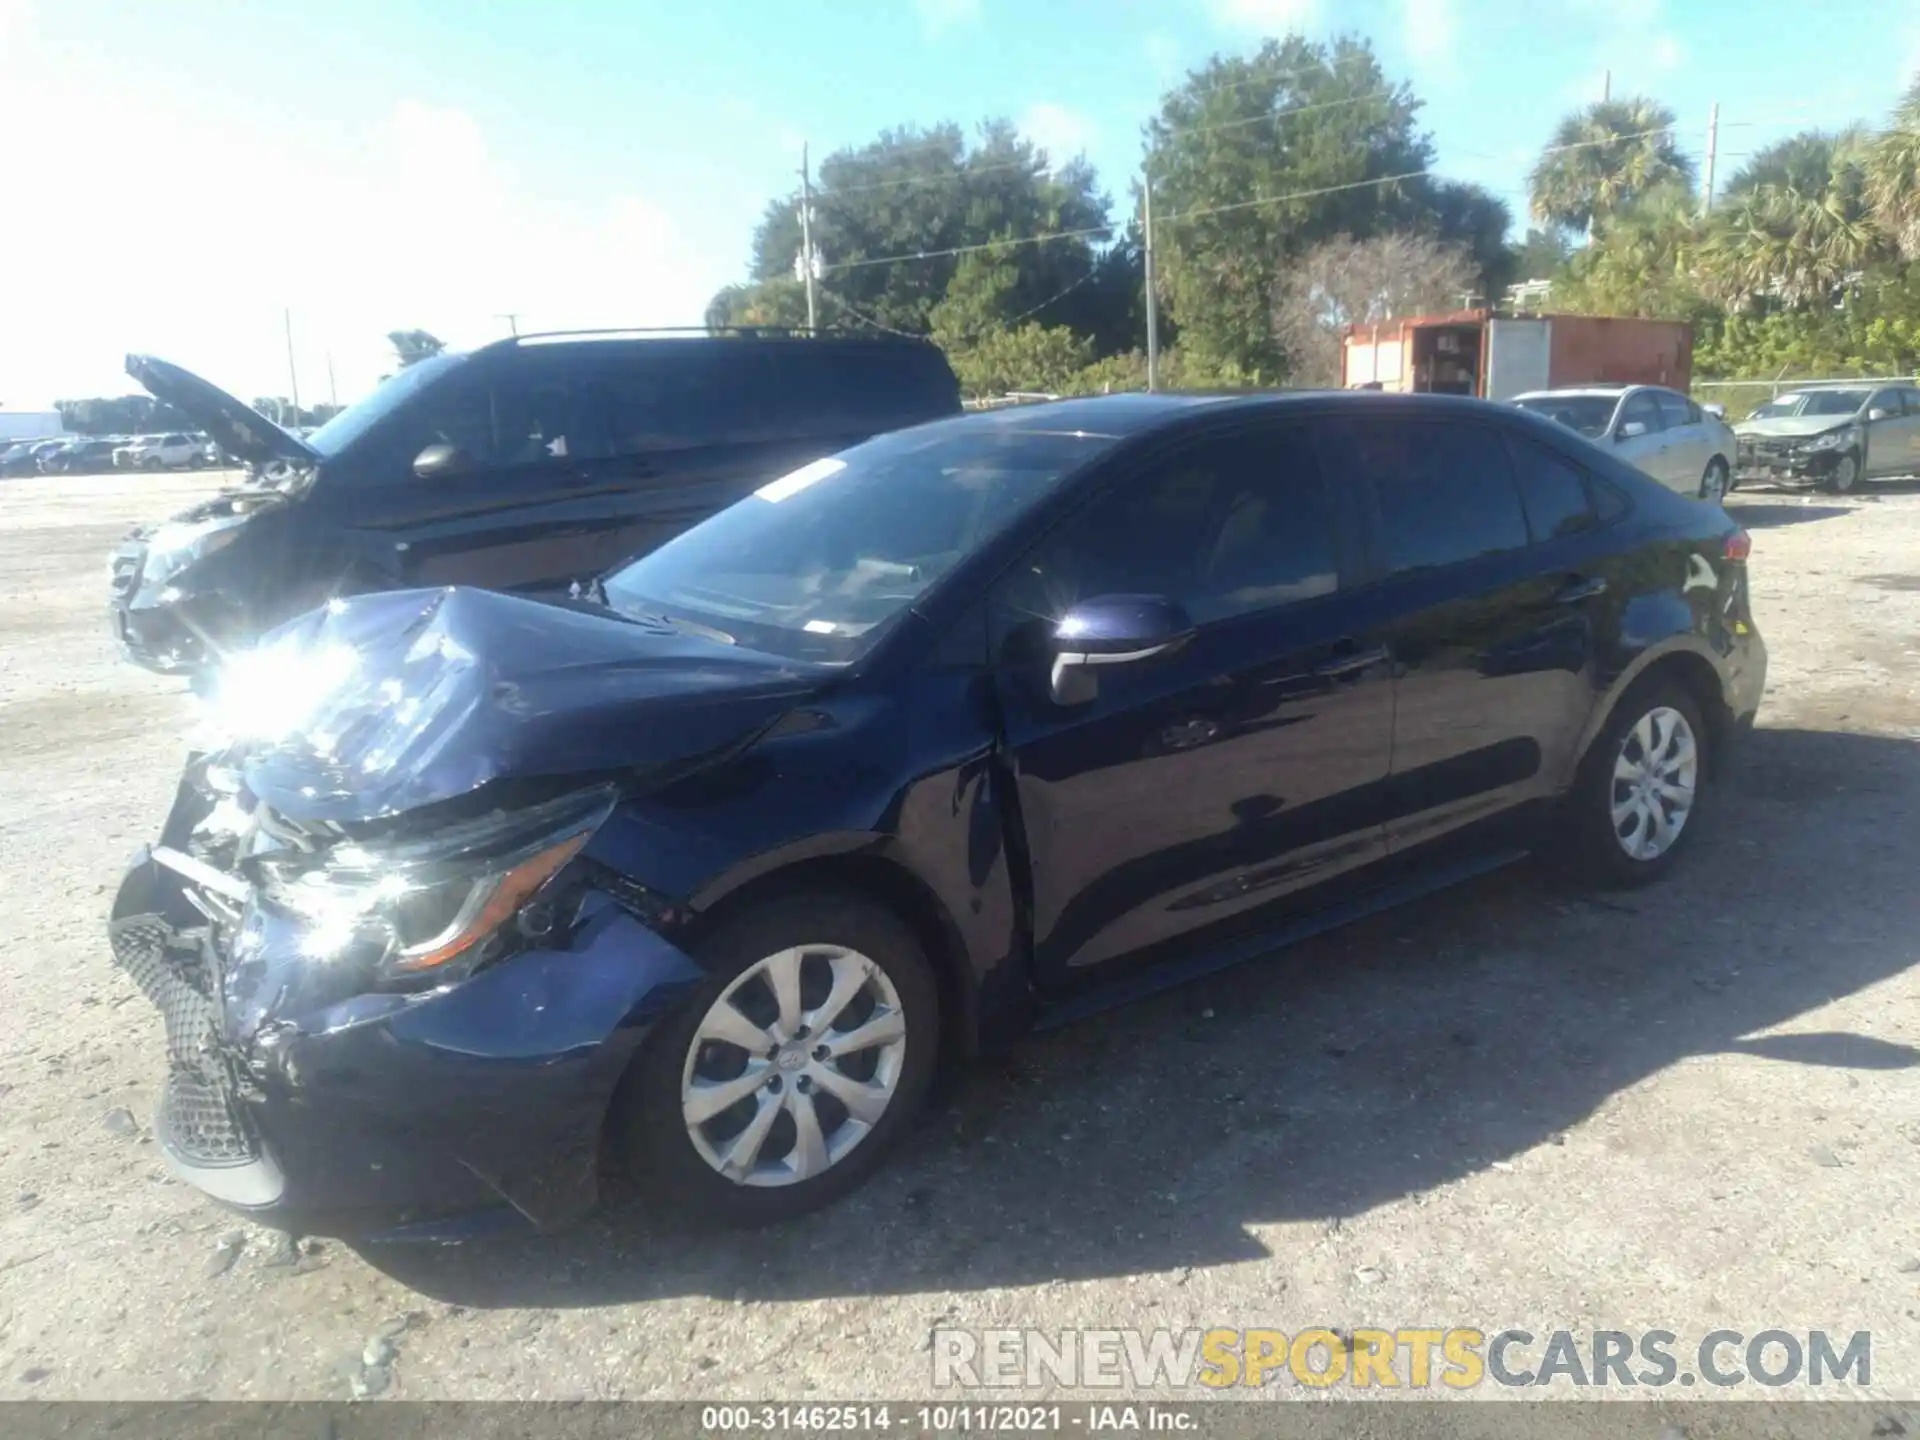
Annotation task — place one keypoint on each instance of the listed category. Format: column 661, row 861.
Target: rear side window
column 1443, row 493
column 679, row 394
column 1552, row 491
column 836, row 389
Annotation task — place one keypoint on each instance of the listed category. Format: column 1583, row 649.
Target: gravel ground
column 1512, row 1105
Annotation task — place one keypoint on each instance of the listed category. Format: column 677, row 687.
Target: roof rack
column 750, row 332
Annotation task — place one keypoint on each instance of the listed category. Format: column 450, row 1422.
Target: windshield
column 814, row 565
column 1589, row 414
column 393, row 392
column 1812, row 402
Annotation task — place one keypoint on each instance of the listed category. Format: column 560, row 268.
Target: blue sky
column 373, row 164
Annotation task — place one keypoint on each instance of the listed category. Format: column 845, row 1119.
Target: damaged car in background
column 527, row 465
column 1832, row 437
column 465, row 897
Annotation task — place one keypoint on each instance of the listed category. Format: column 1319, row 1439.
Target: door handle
column 1576, row 590
column 1352, row 664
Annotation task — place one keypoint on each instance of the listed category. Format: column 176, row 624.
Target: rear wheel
column 1846, row 472
column 785, row 1079
column 1638, row 797
column 196, row 461
column 1713, row 484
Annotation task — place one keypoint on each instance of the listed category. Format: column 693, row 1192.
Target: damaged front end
column 382, row 1030
column 400, row 984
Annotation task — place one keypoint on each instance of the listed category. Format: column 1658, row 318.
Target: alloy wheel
column 793, row 1065
column 1656, row 777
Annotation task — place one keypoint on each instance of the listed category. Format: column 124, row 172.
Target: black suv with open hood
column 525, row 465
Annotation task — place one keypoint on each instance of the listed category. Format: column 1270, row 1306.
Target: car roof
column 1136, row 412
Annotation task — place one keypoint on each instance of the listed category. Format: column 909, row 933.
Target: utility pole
column 333, row 394
column 1713, row 150
column 806, row 234
column 1606, row 86
column 512, row 317
column 293, row 375
column 1153, row 304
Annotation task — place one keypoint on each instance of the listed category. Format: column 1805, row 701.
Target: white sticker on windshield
column 795, row 481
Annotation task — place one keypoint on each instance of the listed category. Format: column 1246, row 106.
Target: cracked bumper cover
column 386, row 1114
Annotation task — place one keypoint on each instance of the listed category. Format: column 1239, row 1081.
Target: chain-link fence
column 1742, row 397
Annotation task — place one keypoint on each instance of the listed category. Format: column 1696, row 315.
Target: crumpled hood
column 1792, row 426
column 240, row 430
column 384, row 703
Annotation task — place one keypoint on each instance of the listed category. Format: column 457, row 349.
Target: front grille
column 123, row 571
column 198, row 1114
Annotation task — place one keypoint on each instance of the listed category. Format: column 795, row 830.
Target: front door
column 539, row 498
column 1243, row 768
column 1648, row 450
column 1489, row 608
column 1893, row 441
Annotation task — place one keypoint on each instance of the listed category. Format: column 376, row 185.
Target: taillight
column 1739, row 545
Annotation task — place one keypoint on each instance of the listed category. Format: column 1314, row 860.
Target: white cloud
column 407, row 218
column 1269, row 17
column 1427, row 28
column 1061, row 132
column 939, row 16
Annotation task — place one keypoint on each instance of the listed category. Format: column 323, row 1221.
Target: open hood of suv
column 240, row 430
column 381, row 704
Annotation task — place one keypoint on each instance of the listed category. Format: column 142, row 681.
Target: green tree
column 1796, row 226
column 1641, row 261
column 920, row 194
column 1602, row 159
column 1893, row 176
column 1542, row 253
column 413, row 346
column 1028, row 357
column 1240, row 134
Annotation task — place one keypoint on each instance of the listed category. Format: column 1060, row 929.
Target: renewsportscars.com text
column 1404, row 1358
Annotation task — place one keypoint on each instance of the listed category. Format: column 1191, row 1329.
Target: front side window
column 816, row 564
column 1227, row 526
column 1443, row 493
column 1889, row 401
column 1642, row 409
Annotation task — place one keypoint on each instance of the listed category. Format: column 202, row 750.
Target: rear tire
column 1714, row 484
column 787, row 1142
column 1636, row 803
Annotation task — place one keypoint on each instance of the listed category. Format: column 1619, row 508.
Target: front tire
column 783, row 1081
column 1637, row 801
column 1713, row 484
column 1846, row 474
column 152, row 462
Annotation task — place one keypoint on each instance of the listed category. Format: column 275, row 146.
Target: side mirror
column 1718, row 412
column 1112, row 630
column 441, row 462
column 1878, row 414
column 1629, row 430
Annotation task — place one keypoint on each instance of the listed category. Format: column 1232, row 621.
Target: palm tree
column 1893, row 176
column 1796, row 225
column 1602, row 159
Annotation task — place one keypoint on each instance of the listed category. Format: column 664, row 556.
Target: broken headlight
column 434, row 908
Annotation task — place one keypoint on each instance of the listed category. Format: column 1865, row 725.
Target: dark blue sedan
column 976, row 726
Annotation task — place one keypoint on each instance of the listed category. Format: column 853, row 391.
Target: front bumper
column 1764, row 464
column 386, row 1115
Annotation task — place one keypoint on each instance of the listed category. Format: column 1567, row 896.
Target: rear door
column 1489, row 627
column 1230, row 775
